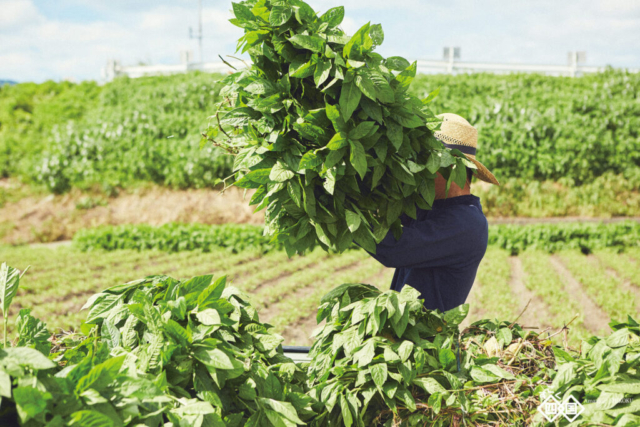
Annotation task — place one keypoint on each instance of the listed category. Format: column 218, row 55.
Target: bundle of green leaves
column 376, row 350
column 325, row 130
column 156, row 350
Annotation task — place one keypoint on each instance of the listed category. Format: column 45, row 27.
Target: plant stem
column 4, row 327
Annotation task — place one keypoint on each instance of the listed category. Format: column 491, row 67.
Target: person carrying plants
column 439, row 252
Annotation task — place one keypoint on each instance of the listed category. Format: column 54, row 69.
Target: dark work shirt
column 439, row 252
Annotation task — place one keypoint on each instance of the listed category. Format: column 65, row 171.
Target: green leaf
column 429, row 385
column 365, row 355
column 379, row 374
column 30, row 402
column 349, row 99
column 333, row 16
column 323, row 70
column 394, row 133
column 366, row 86
column 432, row 95
column 359, row 43
column 404, row 79
column 358, row 158
column 376, row 33
column 101, row 375
column 242, row 12
column 312, row 43
column 353, row 220
column 482, row 375
column 87, row 418
column 619, row 338
column 215, row 358
column 280, row 15
column 498, row 371
column 310, row 160
column 285, row 409
column 397, row 63
column 333, row 114
column 384, row 92
column 280, row 173
column 9, row 282
column 566, row 373
column 347, row 418
column 309, row 201
column 405, row 350
column 504, row 335
column 213, row 292
column 208, row 317
column 293, row 188
column 446, row 357
column 338, row 141
column 5, row 384
column 301, row 70
column 29, row 357
column 363, row 129
column 456, row 315
column 110, row 334
column 626, row 386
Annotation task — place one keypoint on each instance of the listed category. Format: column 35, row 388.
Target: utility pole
column 200, row 29
column 199, row 35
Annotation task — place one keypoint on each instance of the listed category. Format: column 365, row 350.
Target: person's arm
column 443, row 241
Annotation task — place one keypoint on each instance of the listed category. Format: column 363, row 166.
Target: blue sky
column 47, row 39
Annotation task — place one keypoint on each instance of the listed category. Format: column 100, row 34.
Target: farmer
column 438, row 253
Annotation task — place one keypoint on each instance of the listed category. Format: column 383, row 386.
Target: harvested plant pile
column 163, row 352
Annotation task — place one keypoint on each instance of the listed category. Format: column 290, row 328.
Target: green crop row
column 143, row 130
column 533, row 127
column 541, row 127
column 514, row 238
column 175, row 237
column 584, row 236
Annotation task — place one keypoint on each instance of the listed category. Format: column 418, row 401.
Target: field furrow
column 605, row 290
column 548, row 285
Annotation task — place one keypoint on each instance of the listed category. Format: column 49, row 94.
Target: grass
column 494, row 298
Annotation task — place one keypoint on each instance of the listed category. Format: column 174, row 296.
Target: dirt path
column 536, row 313
column 555, row 220
column 595, row 320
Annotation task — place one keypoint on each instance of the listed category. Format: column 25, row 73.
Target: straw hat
column 456, row 132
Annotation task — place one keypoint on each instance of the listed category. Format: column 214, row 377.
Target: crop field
column 592, row 288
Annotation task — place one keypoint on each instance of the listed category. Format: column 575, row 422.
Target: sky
column 74, row 39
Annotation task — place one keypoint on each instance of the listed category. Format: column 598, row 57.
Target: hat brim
column 482, row 172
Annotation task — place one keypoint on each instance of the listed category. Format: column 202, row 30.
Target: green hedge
column 533, row 127
column 514, row 238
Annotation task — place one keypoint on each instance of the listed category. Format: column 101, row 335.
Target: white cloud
column 36, row 46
